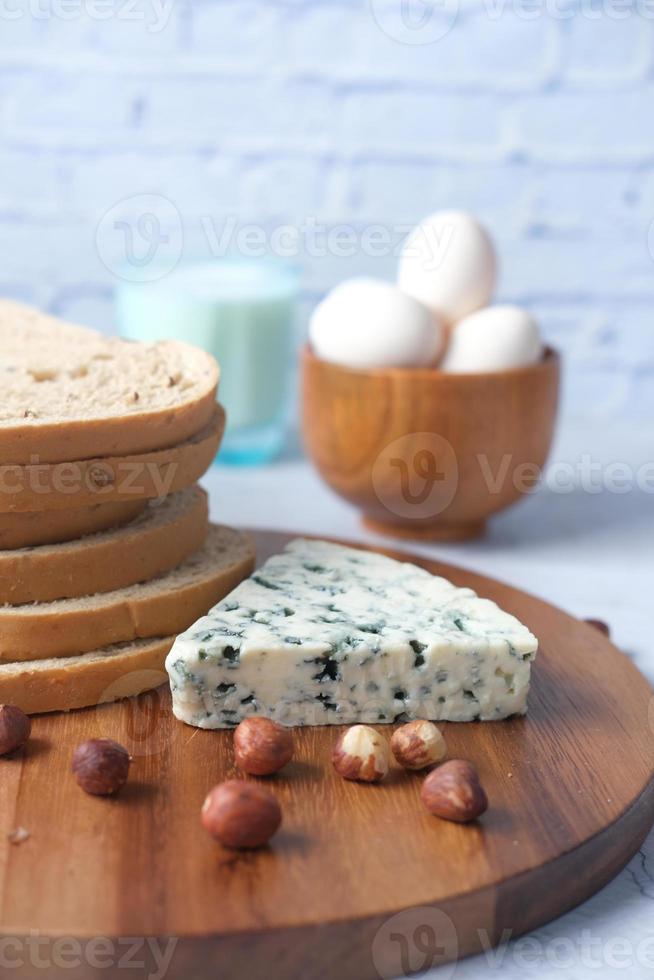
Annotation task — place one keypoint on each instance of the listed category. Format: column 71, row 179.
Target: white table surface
column 592, row 553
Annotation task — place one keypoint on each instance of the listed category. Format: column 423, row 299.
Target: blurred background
column 318, row 133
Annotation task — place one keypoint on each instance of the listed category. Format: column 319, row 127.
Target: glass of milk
column 241, row 311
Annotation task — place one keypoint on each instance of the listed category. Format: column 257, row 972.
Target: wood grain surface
column 361, row 882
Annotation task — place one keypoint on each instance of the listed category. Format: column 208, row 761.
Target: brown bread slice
column 162, row 537
column 38, row 527
column 61, row 486
column 166, row 605
column 92, row 678
column 72, row 393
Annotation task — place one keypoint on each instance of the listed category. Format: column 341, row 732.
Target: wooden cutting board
column 360, row 882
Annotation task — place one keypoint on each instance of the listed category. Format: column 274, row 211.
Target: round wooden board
column 360, row 882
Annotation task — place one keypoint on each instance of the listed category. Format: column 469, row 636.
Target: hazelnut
column 241, row 814
column 15, row 728
column 361, row 753
column 101, row 766
column 453, row 792
column 418, row 745
column 261, row 746
column 600, row 625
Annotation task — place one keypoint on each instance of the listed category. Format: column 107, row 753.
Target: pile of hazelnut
column 242, row 814
column 245, row 815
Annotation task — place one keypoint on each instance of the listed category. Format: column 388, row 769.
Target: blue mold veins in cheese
column 324, row 634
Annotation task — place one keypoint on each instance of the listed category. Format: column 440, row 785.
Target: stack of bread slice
column 106, row 551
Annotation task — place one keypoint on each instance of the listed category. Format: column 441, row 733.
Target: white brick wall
column 313, row 113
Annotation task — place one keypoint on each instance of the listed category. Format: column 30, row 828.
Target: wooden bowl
column 425, row 454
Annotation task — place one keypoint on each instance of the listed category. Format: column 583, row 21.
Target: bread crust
column 61, row 486
column 42, row 527
column 162, row 607
column 74, row 393
column 58, row 442
column 153, row 544
column 91, row 679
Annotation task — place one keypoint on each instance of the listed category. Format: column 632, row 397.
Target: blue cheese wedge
column 327, row 635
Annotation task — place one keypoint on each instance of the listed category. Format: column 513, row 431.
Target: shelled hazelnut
column 101, row 766
column 261, row 746
column 15, row 728
column 361, row 753
column 418, row 744
column 240, row 814
column 454, row 792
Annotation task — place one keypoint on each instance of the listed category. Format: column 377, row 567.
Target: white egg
column 448, row 263
column 367, row 323
column 493, row 339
